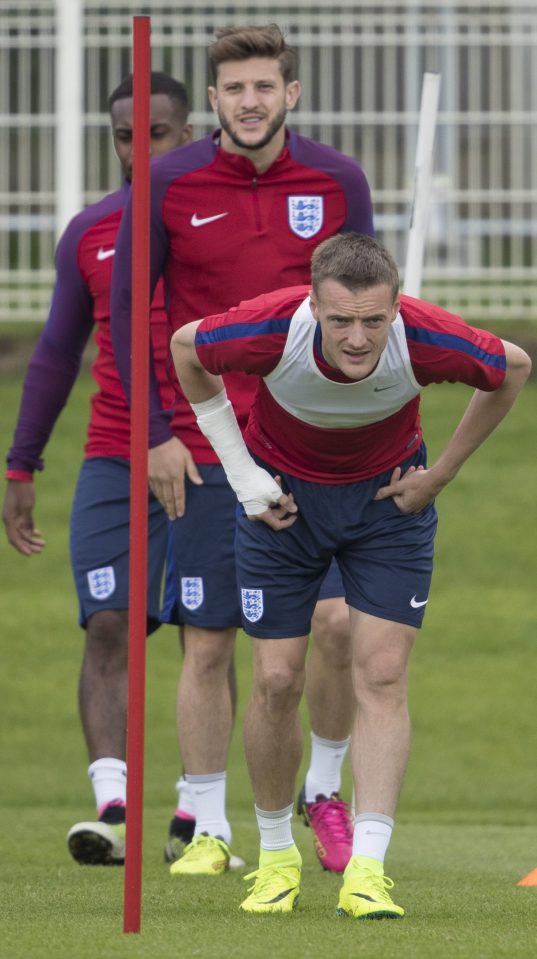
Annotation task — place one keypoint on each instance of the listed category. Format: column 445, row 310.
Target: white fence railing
column 361, row 71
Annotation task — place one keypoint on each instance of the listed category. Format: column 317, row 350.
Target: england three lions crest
column 252, row 604
column 102, row 582
column 306, row 215
column 191, row 591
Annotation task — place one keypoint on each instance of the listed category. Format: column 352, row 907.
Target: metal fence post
column 69, row 106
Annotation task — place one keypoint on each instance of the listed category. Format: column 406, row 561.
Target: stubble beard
column 273, row 129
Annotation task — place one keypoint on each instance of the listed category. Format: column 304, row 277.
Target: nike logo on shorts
column 201, row 221
column 104, row 254
column 415, row 604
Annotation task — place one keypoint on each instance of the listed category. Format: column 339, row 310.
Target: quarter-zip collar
column 241, row 166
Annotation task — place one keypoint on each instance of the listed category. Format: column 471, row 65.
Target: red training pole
column 138, row 476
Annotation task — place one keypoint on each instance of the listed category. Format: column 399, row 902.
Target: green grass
column 467, row 824
column 458, row 884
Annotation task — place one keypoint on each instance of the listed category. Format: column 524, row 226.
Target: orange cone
column 529, row 880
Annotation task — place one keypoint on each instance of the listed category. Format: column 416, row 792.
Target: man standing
column 100, row 516
column 232, row 216
column 339, row 470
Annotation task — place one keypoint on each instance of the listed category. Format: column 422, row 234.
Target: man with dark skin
column 100, row 517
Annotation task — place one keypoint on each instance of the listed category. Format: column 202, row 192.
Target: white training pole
column 420, row 208
column 68, row 172
column 422, row 183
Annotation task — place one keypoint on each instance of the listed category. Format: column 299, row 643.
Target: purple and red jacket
column 221, row 233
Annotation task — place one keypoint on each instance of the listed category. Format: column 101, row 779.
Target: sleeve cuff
column 21, row 476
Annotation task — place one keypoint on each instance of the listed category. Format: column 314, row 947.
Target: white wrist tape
column 254, row 487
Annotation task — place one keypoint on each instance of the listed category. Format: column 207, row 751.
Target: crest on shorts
column 305, row 215
column 191, row 591
column 252, row 604
column 102, row 582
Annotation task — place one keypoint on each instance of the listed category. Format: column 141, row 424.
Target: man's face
column 251, row 100
column 168, row 129
column 354, row 325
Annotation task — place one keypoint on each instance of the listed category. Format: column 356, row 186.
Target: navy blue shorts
column 332, row 584
column 385, row 556
column 201, row 582
column 100, row 540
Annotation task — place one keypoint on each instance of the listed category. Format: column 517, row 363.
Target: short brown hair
column 354, row 260
column 242, row 43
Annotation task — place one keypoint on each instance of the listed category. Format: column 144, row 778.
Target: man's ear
column 213, row 98
column 292, row 93
column 187, row 134
column 396, row 306
column 313, row 305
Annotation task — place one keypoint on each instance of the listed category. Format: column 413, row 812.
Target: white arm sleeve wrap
column 255, row 488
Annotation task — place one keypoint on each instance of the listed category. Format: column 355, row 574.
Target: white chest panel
column 298, row 385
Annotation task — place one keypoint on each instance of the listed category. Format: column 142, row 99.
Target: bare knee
column 382, row 678
column 209, row 652
column 279, row 685
column 331, row 633
column 107, row 636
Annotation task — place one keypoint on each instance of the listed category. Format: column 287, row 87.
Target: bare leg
column 102, row 691
column 232, row 676
column 204, row 705
column 272, row 731
column 329, row 688
column 233, row 692
column 381, row 736
column 102, row 696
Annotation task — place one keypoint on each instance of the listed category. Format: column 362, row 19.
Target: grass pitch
column 467, row 825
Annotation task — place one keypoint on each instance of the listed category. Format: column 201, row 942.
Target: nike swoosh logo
column 104, row 254
column 201, row 221
column 414, row 603
column 380, row 389
column 280, row 895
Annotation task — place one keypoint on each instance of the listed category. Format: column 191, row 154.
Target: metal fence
column 361, row 68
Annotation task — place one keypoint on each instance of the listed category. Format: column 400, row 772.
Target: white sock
column 109, row 780
column 185, row 801
column 275, row 828
column 324, row 773
column 372, row 834
column 208, row 794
